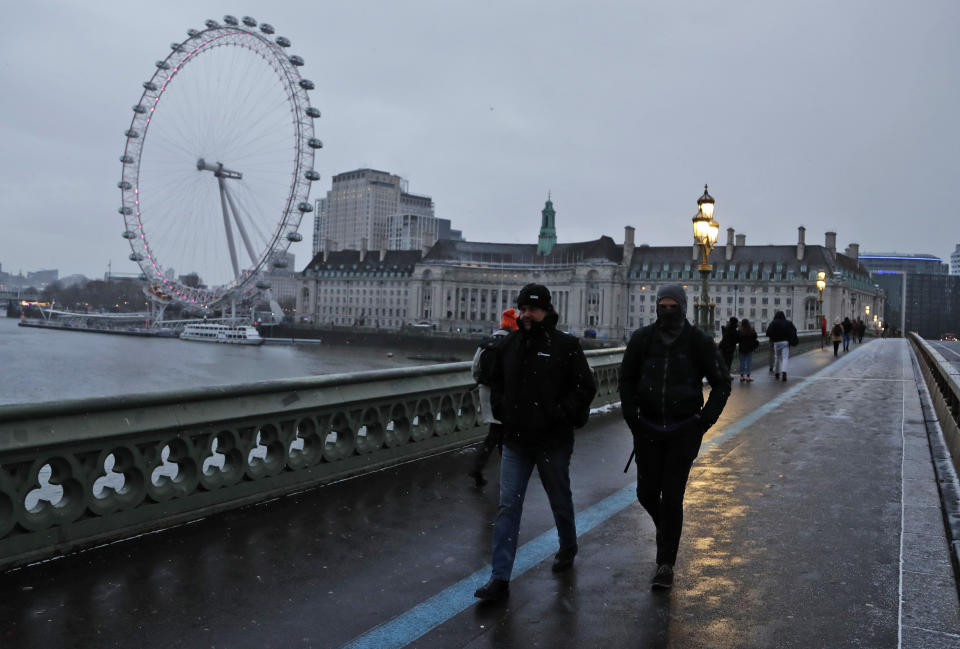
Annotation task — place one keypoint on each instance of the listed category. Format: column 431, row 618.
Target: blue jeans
column 746, row 363
column 515, row 470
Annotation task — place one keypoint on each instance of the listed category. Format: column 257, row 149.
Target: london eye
column 218, row 164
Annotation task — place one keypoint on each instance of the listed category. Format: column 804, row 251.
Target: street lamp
column 705, row 231
column 821, row 284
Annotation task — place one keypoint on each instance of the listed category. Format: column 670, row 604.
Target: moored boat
column 221, row 333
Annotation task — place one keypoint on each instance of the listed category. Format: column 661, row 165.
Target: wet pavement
column 812, row 520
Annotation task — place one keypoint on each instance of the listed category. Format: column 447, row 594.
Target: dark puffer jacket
column 543, row 387
column 661, row 385
column 782, row 330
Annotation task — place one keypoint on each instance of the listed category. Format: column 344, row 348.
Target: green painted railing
column 79, row 473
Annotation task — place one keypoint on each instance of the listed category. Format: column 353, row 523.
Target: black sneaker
column 784, row 377
column 563, row 560
column 776, row 377
column 664, row 576
column 493, row 591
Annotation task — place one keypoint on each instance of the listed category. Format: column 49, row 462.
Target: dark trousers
column 490, row 442
column 553, row 465
column 727, row 357
column 662, row 470
column 836, row 347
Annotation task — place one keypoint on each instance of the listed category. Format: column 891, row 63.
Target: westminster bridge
column 335, row 511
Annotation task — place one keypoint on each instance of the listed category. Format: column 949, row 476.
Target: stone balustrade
column 78, row 473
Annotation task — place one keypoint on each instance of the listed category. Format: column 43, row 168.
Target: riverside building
column 600, row 288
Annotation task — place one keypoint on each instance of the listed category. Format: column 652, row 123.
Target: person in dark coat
column 542, row 391
column 847, row 332
column 861, row 329
column 836, row 335
column 661, row 394
column 782, row 335
column 483, row 361
column 748, row 343
column 729, row 339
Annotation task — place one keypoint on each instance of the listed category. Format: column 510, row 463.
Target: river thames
column 48, row 365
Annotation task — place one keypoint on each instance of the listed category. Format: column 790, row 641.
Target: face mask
column 669, row 317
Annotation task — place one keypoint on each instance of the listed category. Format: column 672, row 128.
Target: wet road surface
column 792, row 538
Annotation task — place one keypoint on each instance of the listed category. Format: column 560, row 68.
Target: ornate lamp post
column 705, row 231
column 821, row 284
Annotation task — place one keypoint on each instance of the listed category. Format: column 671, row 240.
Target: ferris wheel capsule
column 312, row 175
column 314, row 143
column 294, row 237
column 249, row 22
column 267, row 28
column 212, row 24
column 283, row 41
column 313, row 112
column 305, row 206
column 230, row 20
column 296, row 60
column 129, row 234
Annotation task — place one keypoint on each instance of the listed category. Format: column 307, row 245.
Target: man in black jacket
column 661, row 395
column 542, row 390
column 782, row 335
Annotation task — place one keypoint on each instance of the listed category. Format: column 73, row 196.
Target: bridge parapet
column 79, row 473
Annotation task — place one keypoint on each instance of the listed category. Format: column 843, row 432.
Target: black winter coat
column 661, row 385
column 748, row 342
column 780, row 330
column 543, row 388
column 729, row 339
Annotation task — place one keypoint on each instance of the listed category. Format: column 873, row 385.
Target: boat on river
column 222, row 333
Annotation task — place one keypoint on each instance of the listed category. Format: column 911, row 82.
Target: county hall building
column 599, row 287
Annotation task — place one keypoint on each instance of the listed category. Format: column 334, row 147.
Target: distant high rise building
column 919, row 292
column 955, row 261
column 412, row 232
column 356, row 212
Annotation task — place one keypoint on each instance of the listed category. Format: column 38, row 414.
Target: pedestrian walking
column 836, row 335
column 782, row 336
column 661, row 394
column 861, row 329
column 483, row 364
column 542, row 390
column 748, row 343
column 847, row 329
column 823, row 330
column 729, row 338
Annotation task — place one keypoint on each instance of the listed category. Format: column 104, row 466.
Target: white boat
column 221, row 333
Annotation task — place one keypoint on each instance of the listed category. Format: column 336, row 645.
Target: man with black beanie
column 661, row 395
column 542, row 391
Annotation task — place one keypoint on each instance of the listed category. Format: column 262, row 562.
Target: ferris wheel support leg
column 226, row 226
column 240, row 228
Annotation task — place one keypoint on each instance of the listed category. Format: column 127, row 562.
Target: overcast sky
column 833, row 114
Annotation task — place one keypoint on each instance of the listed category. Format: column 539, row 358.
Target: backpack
column 485, row 359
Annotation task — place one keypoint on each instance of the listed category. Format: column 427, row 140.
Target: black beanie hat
column 535, row 295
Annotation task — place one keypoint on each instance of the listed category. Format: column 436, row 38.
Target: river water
column 47, row 365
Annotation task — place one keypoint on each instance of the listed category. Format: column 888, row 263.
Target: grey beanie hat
column 674, row 291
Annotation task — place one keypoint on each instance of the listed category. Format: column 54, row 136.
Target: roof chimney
column 801, row 242
column 383, row 253
column 327, row 246
column 728, row 254
column 853, row 251
column 363, row 248
column 741, row 240
column 628, row 245
column 831, row 242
